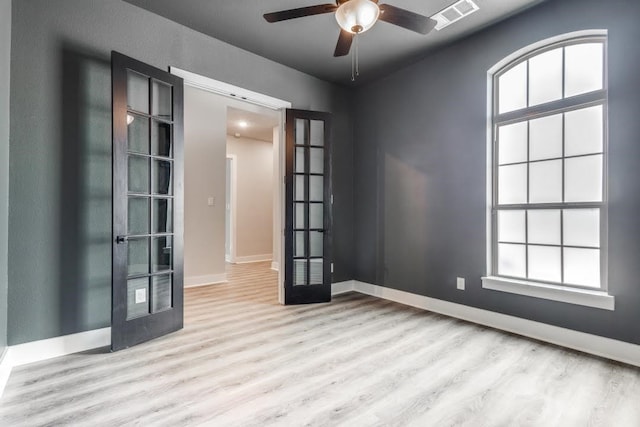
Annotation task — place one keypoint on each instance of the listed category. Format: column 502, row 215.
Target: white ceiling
column 259, row 126
column 307, row 44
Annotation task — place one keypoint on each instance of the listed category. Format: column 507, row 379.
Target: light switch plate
column 460, row 283
column 211, row 201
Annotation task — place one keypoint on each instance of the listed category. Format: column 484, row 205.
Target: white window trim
column 577, row 296
column 591, row 298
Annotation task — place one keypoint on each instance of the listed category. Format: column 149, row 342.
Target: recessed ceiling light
column 243, row 124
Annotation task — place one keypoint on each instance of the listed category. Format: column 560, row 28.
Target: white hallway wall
column 205, row 130
column 254, row 204
column 205, row 135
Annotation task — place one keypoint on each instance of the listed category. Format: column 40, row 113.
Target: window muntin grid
column 543, row 169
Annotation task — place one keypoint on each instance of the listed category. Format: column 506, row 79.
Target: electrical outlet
column 460, row 283
column 211, row 201
column 141, row 295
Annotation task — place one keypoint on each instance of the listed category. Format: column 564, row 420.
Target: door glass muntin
column 309, row 168
column 150, row 174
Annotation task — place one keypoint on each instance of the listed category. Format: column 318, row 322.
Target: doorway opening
column 234, row 201
column 251, row 184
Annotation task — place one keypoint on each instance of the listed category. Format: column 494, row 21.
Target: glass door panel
column 147, row 115
column 307, row 264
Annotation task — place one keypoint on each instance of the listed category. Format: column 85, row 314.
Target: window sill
column 589, row 298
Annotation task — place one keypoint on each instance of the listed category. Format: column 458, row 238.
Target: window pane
column 316, row 160
column 512, row 89
column 583, row 179
column 300, row 159
column 316, row 188
column 162, row 182
column 545, row 77
column 299, row 187
column 545, row 181
column 299, row 272
column 316, row 240
column 581, row 227
column 511, row 226
column 138, row 134
column 138, row 215
column 162, row 216
column 300, row 132
column 316, row 131
column 161, row 139
column 544, row 226
column 300, row 242
column 138, row 179
column 316, row 215
column 512, row 184
column 162, row 103
column 161, row 253
column 583, row 68
column 544, row 263
column 162, row 293
column 511, row 260
column 299, row 217
column 315, row 271
column 137, row 92
column 512, row 141
column 582, row 267
column 137, row 297
column 545, row 137
column 583, row 131
column 138, row 256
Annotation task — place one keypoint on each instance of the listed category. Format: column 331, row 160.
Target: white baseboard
column 210, row 279
column 593, row 344
column 37, row 351
column 5, row 370
column 342, row 287
column 253, row 258
column 275, row 265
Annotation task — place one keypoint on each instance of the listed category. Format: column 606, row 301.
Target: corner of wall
column 5, row 85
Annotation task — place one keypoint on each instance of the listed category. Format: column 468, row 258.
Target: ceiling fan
column 357, row 16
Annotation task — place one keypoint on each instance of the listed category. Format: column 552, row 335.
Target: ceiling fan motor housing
column 357, row 16
column 339, row 2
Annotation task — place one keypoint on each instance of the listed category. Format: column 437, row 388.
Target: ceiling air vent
column 454, row 13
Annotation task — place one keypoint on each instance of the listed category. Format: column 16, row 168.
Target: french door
column 308, row 200
column 147, row 288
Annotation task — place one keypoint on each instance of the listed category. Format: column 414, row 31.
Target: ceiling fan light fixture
column 357, row 16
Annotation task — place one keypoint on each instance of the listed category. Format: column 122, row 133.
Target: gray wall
column 5, row 55
column 60, row 177
column 420, row 169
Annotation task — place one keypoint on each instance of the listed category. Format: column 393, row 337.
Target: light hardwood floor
column 244, row 360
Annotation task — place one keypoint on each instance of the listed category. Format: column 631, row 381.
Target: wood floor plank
column 244, row 360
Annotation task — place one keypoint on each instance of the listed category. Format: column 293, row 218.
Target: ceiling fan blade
column 300, row 12
column 344, row 43
column 406, row 19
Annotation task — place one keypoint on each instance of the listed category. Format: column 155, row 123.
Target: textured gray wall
column 60, row 177
column 5, row 55
column 421, row 169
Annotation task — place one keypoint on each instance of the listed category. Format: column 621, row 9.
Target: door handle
column 121, row 239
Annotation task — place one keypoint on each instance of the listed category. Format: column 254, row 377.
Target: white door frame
column 234, row 92
column 233, row 191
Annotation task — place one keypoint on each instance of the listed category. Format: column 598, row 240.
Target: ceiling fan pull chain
column 357, row 57
column 353, row 62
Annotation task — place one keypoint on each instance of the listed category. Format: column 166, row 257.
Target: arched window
column 548, row 166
